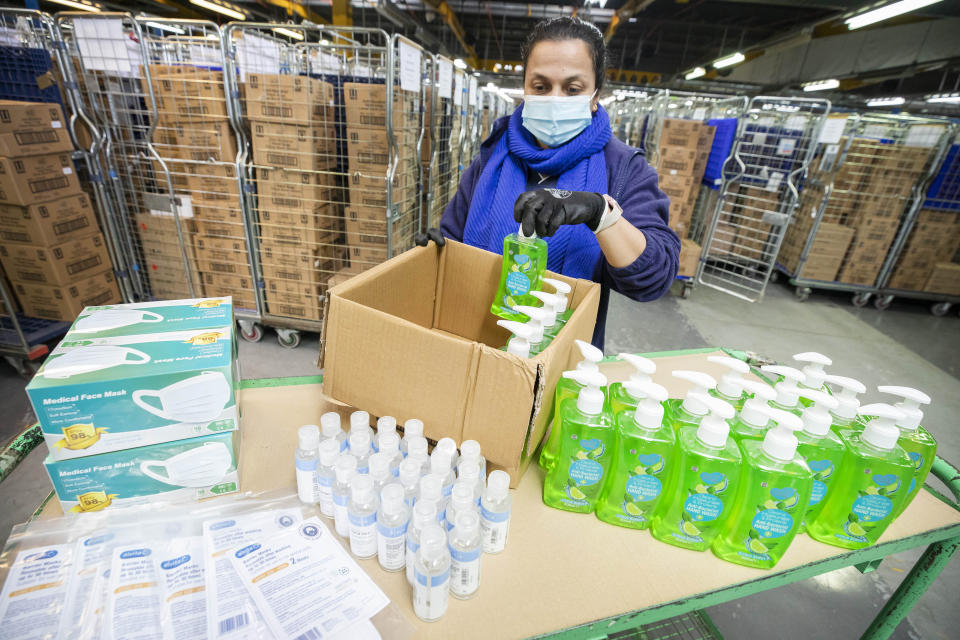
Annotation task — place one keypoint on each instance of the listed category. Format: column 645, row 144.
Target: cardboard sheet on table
column 559, row 569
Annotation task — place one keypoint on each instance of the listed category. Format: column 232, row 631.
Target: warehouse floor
column 903, row 345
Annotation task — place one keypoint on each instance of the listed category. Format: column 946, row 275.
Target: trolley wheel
column 940, row 309
column 802, row 293
column 774, row 276
column 882, row 303
column 685, row 290
column 860, row 299
column 288, row 338
column 250, row 331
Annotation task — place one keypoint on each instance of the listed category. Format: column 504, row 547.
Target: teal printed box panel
column 172, row 471
column 93, row 396
column 138, row 318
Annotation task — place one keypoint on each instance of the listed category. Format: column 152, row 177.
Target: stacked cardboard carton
column 931, row 245
column 50, row 245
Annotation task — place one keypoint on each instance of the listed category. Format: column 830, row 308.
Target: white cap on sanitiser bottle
column 330, row 429
column 466, row 544
column 882, row 431
column 910, row 405
column 461, row 499
column 431, row 490
column 693, row 402
column 390, row 445
column 495, row 512
column 470, row 474
column 412, row 428
column 848, row 405
column 385, row 425
column 813, row 374
column 470, row 452
column 643, row 368
column 431, row 584
column 753, row 411
column 424, row 513
column 519, row 344
column 305, row 461
column 788, row 389
column 649, row 413
column 440, row 467
column 562, row 289
column 816, row 418
column 779, row 442
column 360, row 449
column 713, row 429
column 730, row 385
column 417, row 449
column 392, row 521
column 362, row 511
column 537, row 317
column 326, row 474
column 409, row 477
column 590, row 400
column 346, row 470
column 379, row 470
column 360, row 421
column 448, row 446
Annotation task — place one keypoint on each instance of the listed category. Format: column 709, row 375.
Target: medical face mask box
column 97, row 395
column 172, row 471
column 419, row 327
column 138, row 318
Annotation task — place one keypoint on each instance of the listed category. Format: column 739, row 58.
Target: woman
column 555, row 167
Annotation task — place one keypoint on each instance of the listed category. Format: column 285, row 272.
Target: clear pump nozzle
column 702, row 382
column 731, row 383
column 882, row 431
column 847, row 402
column 537, row 317
column 814, row 375
column 910, row 405
column 753, row 411
column 714, row 428
column 779, row 442
column 816, row 418
column 788, row 389
column 549, row 301
column 519, row 344
column 590, row 400
column 649, row 413
column 562, row 290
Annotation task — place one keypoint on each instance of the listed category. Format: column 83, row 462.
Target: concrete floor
column 903, row 345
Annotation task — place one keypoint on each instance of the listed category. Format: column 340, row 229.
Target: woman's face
column 560, row 68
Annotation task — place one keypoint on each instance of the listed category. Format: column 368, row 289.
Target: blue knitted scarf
column 578, row 165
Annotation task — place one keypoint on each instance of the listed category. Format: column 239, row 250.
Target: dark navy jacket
column 634, row 185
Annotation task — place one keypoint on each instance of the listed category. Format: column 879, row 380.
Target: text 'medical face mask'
column 197, row 467
column 91, row 358
column 114, row 319
column 197, row 399
column 555, row 120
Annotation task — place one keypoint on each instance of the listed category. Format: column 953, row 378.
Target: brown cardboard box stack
column 829, row 245
column 931, row 245
column 50, row 245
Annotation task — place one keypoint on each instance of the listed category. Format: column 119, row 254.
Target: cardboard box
column 868, row 251
column 49, row 223
column 689, row 258
column 294, row 146
column 164, row 258
column 35, row 179
column 826, row 253
column 313, row 230
column 294, row 190
column 186, row 93
column 292, row 264
column 945, row 279
column 408, row 330
column 239, row 286
column 294, row 300
column 365, row 106
column 222, row 255
column 677, row 160
column 64, row 302
column 201, row 141
column 286, row 98
column 371, row 191
column 209, row 212
column 368, row 150
column 678, row 187
column 60, row 264
column 676, row 132
column 32, row 128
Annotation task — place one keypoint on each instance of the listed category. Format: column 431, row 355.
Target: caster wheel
column 882, row 303
column 940, row 309
column 288, row 338
column 774, row 277
column 860, row 300
column 251, row 332
column 685, row 292
column 802, row 293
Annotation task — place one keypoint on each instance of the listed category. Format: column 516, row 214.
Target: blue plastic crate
column 944, row 191
column 19, row 69
column 726, row 131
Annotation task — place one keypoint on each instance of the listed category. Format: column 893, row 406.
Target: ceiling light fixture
column 729, row 61
column 944, row 97
column 887, row 12
column 166, row 27
column 80, row 4
column 891, row 101
column 821, row 85
column 459, row 64
column 290, row 33
column 695, row 73
column 224, row 8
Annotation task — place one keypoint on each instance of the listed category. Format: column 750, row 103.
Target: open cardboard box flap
column 414, row 337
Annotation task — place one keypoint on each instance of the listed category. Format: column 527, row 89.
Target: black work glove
column 544, row 210
column 423, row 239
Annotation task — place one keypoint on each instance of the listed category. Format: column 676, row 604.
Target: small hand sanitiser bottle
column 465, row 549
column 330, row 429
column 392, row 521
column 461, row 499
column 448, row 446
column 644, row 455
column 730, row 386
column 752, row 421
column 689, row 411
column 524, row 261
column 872, row 483
column 360, row 422
column 567, row 388
column 431, row 582
column 848, row 405
column 537, row 317
column 346, row 470
column 360, row 449
column 820, row 448
column 417, row 449
column 814, row 375
column 440, row 466
column 424, row 513
column 306, row 458
column 774, row 491
column 326, row 474
column 618, row 395
column 390, row 445
column 495, row 507
column 470, row 453
column 431, row 490
column 519, row 344
column 787, row 388
column 915, row 440
column 379, row 471
column 706, row 469
column 409, row 477
column 471, row 474
column 385, row 425
column 362, row 511
column 412, row 428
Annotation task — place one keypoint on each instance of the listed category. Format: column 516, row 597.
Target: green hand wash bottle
column 567, row 388
column 730, row 386
column 524, row 261
column 787, row 388
column 644, row 455
column 915, row 440
column 774, row 490
column 820, row 448
column 690, row 411
column 814, row 375
column 752, row 421
column 845, row 415
column 872, row 483
column 706, row 469
column 619, row 396
column 587, row 440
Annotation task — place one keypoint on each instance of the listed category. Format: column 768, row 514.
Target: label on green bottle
column 917, row 461
column 822, row 470
column 518, row 284
column 584, row 472
column 771, row 522
column 870, row 508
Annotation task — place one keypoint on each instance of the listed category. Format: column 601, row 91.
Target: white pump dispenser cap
column 329, row 450
column 391, row 498
column 847, row 402
column 788, row 389
column 649, row 413
column 549, row 301
column 308, row 437
column 498, row 485
column 412, row 427
column 538, row 317
column 882, row 431
column 731, row 383
column 814, row 375
column 643, row 368
column 562, row 289
column 779, row 442
column 910, row 405
column 816, row 418
column 590, row 400
column 753, row 410
column 591, row 356
column 714, row 429
column 345, row 468
column 702, row 385
column 519, row 344
column 330, row 424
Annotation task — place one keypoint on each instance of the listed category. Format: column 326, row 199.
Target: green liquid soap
column 619, row 398
column 774, row 491
column 524, row 261
column 820, row 448
column 914, row 439
column 645, row 449
column 752, row 421
column 699, row 496
column 871, row 485
column 587, row 441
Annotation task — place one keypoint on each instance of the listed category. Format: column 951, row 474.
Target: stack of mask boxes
column 138, row 404
column 50, row 245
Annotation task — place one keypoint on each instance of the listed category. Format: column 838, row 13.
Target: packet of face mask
column 134, row 596
column 33, row 594
column 180, row 570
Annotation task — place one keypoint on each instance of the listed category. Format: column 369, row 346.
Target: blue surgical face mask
column 555, row 120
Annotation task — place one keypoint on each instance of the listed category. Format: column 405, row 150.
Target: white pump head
column 813, row 372
column 714, row 429
column 910, row 405
column 816, row 417
column 519, row 344
column 549, row 301
column 643, row 368
column 847, row 402
column 538, row 318
column 562, row 290
column 779, row 442
column 788, row 389
column 731, row 383
column 590, row 400
column 591, row 356
column 702, row 385
column 753, row 411
column 882, row 431
column 649, row 413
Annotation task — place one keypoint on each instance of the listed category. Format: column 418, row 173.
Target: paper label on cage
column 796, row 123
column 773, row 182
column 257, row 55
column 775, row 219
column 699, row 114
column 832, row 130
column 786, row 147
column 445, row 78
column 102, row 44
column 205, row 55
column 766, row 121
column 875, row 131
column 923, row 135
column 473, row 91
column 409, row 67
column 458, row 89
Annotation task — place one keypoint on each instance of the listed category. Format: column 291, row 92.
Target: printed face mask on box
column 92, row 358
column 199, row 467
column 112, row 321
column 197, row 399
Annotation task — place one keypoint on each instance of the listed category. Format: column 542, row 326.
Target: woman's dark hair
column 568, row 28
